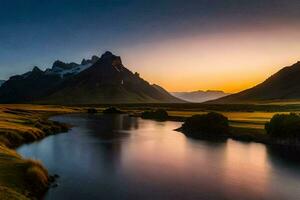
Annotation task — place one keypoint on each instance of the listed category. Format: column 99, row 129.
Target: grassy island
column 112, row 110
column 282, row 129
column 211, row 125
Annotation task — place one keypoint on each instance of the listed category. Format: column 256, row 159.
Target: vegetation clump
column 284, row 126
column 158, row 114
column 37, row 176
column 206, row 125
column 112, row 110
column 92, row 110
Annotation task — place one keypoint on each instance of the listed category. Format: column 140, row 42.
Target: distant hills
column 200, row 96
column 283, row 85
column 93, row 81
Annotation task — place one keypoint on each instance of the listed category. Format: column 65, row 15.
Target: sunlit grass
column 19, row 124
column 9, row 194
column 254, row 120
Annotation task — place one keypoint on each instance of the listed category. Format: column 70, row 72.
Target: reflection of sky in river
column 119, row 157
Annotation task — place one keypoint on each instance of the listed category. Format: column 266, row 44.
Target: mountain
column 37, row 84
column 1, row 82
column 28, row 86
column 94, row 81
column 108, row 81
column 200, row 96
column 69, row 69
column 164, row 91
column 283, row 85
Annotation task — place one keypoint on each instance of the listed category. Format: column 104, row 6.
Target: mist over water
column 122, row 157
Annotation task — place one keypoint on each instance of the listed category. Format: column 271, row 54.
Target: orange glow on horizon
column 230, row 61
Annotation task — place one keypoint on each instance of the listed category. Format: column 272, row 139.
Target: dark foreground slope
column 27, row 87
column 283, row 85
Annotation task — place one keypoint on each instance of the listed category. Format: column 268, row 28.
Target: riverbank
column 20, row 124
column 132, row 151
column 245, row 134
column 244, row 126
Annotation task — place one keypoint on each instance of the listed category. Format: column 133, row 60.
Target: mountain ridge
column 283, row 85
column 94, row 81
column 200, row 96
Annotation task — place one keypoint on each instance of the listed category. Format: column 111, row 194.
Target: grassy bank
column 19, row 124
column 246, row 121
column 247, row 116
column 244, row 125
column 253, row 121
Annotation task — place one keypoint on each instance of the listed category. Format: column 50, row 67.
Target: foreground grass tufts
column 37, row 175
column 19, row 178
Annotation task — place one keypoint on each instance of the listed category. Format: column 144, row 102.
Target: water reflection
column 284, row 154
column 121, row 157
column 245, row 165
column 110, row 126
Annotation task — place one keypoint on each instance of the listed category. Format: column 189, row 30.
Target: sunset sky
column 181, row 45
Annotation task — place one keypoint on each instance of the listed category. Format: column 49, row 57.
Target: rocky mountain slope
column 283, row 85
column 95, row 81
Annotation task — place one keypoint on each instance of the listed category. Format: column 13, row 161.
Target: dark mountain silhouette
column 108, row 81
column 200, row 96
column 94, row 81
column 163, row 91
column 1, row 82
column 283, row 85
column 37, row 84
column 70, row 69
column 27, row 87
column 62, row 65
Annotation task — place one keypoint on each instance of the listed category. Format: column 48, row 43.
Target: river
column 121, row 157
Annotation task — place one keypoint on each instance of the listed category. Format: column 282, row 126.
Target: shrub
column 158, row 114
column 37, row 175
column 210, row 124
column 112, row 110
column 92, row 110
column 284, row 126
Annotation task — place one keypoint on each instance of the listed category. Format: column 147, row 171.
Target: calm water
column 119, row 157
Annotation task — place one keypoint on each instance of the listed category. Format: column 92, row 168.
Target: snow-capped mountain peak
column 66, row 72
column 69, row 69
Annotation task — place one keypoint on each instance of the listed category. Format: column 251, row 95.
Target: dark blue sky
column 37, row 32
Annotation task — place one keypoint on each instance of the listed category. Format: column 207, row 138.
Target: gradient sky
column 183, row 45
